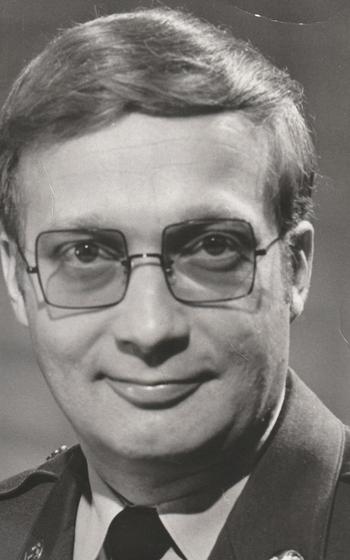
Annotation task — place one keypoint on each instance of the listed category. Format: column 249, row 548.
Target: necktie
column 137, row 534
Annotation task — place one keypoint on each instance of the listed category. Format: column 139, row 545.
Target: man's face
column 151, row 376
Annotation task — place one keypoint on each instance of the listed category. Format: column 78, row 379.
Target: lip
column 161, row 394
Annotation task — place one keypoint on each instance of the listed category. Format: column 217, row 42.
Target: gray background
column 31, row 424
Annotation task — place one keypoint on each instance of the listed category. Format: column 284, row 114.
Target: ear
column 302, row 249
column 8, row 254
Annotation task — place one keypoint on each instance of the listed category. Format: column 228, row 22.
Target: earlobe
column 9, row 266
column 302, row 248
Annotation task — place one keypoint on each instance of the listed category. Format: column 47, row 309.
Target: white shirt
column 93, row 520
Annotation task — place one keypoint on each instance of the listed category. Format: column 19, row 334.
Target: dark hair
column 158, row 62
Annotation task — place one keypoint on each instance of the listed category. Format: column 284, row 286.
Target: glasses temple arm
column 29, row 269
column 263, row 252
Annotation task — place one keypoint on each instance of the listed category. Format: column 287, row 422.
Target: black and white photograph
column 175, row 280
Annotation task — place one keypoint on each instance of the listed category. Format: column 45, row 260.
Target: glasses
column 203, row 261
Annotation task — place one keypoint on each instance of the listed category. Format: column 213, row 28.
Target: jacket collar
column 287, row 501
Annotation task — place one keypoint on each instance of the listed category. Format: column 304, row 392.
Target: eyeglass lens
column 79, row 269
column 212, row 261
column 202, row 261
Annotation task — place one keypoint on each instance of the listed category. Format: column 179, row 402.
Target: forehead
column 148, row 170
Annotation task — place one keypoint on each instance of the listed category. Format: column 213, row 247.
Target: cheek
column 64, row 353
column 260, row 327
column 251, row 350
column 62, row 342
column 237, row 346
column 253, row 354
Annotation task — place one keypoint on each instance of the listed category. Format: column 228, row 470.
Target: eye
column 216, row 244
column 213, row 244
column 86, row 252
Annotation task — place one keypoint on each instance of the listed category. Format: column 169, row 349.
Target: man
column 156, row 195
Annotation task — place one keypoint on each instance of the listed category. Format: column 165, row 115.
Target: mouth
column 156, row 394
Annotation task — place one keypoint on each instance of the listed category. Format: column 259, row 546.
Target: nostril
column 165, row 350
column 157, row 354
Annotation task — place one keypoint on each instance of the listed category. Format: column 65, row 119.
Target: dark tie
column 137, row 534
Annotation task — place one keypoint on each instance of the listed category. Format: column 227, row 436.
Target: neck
column 156, row 483
column 165, row 480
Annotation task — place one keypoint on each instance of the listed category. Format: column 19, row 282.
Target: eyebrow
column 84, row 221
column 92, row 220
column 212, row 211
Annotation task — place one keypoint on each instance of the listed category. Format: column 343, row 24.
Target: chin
column 201, row 450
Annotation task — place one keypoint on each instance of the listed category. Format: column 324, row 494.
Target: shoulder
column 343, row 487
column 25, row 496
column 339, row 533
column 47, row 472
column 24, row 493
column 18, row 483
column 345, row 470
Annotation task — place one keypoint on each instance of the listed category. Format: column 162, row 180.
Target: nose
column 151, row 324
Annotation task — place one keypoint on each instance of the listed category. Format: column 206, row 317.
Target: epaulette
column 49, row 470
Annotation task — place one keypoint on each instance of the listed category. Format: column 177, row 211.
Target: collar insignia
column 35, row 552
column 288, row 555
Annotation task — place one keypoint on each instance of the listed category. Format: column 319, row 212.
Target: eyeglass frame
column 127, row 262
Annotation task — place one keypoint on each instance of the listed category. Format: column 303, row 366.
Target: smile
column 155, row 395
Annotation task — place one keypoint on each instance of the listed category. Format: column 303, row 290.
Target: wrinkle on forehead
column 233, row 143
column 214, row 147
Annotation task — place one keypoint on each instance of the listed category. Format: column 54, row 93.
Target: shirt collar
column 186, row 529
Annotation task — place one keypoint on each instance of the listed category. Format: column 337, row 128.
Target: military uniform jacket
column 297, row 498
